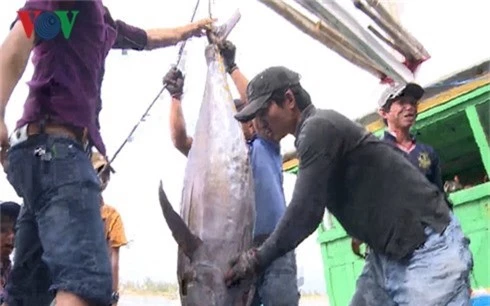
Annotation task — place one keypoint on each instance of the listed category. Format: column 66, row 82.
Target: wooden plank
column 468, row 195
column 400, row 35
column 327, row 36
column 456, row 148
column 338, row 18
column 447, row 133
column 480, row 137
column 290, row 164
column 450, row 109
column 483, row 111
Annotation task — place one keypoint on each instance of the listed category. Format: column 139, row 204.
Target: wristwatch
column 114, row 297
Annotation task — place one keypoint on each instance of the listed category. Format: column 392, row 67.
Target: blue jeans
column 278, row 284
column 59, row 238
column 436, row 274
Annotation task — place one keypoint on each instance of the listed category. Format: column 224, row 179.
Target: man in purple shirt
column 60, row 247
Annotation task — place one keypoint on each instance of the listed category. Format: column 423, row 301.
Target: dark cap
column 261, row 87
column 410, row 89
column 10, row 209
column 238, row 104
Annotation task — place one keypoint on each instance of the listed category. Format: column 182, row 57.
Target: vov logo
column 48, row 24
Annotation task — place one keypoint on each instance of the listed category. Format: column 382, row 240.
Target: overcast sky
column 453, row 33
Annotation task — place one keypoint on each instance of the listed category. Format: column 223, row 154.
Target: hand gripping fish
column 217, row 209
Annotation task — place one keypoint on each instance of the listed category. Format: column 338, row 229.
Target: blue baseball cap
column 10, row 209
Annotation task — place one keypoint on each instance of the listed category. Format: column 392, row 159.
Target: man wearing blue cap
column 9, row 211
column 419, row 255
column 277, row 285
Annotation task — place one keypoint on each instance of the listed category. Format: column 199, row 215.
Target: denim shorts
column 59, row 242
column 436, row 274
column 278, row 284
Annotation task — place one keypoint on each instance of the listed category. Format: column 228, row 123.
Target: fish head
column 204, row 283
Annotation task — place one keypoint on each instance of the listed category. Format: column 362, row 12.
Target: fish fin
column 181, row 233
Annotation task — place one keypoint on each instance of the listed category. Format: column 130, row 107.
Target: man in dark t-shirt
column 419, row 255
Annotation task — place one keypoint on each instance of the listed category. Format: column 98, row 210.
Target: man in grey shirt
column 419, row 253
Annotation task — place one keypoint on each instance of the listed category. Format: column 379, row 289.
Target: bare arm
column 14, row 54
column 178, row 132
column 240, row 82
column 131, row 37
column 115, row 268
column 318, row 149
column 160, row 38
column 228, row 51
column 164, row 37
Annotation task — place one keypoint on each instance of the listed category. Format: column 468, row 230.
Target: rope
column 210, row 8
column 179, row 57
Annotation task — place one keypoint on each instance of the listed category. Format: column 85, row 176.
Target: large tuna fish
column 217, row 209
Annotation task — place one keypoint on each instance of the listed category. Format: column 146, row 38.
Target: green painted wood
column 293, row 170
column 379, row 133
column 483, row 111
column 480, row 137
column 336, row 232
column 451, row 130
column 458, row 104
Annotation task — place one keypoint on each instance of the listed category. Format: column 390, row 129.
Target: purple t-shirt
column 66, row 84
